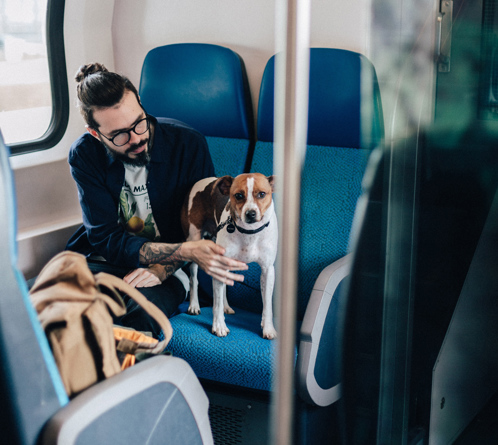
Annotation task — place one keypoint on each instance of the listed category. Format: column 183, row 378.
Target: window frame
column 56, row 57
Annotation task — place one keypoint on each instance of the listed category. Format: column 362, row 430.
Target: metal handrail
column 291, row 121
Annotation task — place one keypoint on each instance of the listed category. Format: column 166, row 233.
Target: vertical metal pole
column 291, row 122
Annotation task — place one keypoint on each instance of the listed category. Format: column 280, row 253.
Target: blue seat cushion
column 228, row 155
column 262, row 160
column 251, row 358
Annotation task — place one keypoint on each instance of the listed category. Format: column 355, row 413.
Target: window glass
column 25, row 90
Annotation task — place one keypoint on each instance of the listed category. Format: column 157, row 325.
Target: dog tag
column 230, row 228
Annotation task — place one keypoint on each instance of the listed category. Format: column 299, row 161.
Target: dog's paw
column 194, row 309
column 269, row 333
column 228, row 310
column 220, row 329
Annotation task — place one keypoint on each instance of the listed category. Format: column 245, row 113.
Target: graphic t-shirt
column 135, row 212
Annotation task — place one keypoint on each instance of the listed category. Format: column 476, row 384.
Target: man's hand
column 208, row 255
column 210, row 258
column 154, row 275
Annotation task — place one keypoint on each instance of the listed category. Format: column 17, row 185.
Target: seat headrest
column 344, row 100
column 202, row 85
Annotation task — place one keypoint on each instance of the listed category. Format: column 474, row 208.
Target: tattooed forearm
column 159, row 253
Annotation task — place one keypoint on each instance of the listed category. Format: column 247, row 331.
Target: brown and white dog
column 240, row 213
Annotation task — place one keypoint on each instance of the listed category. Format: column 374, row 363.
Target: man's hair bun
column 99, row 88
column 86, row 70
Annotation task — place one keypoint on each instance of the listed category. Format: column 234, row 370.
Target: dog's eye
column 239, row 196
column 261, row 195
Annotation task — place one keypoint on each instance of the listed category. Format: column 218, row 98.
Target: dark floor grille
column 226, row 424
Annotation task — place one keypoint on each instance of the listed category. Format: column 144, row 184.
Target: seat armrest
column 156, row 401
column 318, row 374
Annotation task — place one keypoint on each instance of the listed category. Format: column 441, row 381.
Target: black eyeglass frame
column 128, row 132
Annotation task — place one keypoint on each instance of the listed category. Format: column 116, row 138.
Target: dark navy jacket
column 179, row 158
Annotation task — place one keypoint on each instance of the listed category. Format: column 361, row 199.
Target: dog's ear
column 271, row 180
column 224, row 183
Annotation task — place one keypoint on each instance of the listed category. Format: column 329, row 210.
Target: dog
column 240, row 213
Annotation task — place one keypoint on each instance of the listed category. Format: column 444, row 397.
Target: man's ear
column 93, row 132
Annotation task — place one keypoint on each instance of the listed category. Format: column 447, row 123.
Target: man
column 133, row 172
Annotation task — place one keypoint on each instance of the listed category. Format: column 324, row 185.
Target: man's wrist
column 185, row 251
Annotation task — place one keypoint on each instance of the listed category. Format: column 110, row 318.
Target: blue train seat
column 345, row 124
column 158, row 399
column 206, row 87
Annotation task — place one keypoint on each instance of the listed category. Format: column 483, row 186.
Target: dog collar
column 231, row 226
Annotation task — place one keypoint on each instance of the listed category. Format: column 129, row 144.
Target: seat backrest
column 31, row 390
column 206, row 87
column 344, row 123
column 344, row 100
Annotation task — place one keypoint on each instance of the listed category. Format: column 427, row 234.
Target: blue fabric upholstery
column 330, row 188
column 206, row 87
column 336, row 157
column 229, row 155
column 242, row 358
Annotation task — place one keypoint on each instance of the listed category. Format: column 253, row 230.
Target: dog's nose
column 250, row 216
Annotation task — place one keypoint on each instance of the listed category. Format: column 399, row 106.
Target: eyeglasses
column 123, row 137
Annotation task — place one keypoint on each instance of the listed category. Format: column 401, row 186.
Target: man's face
column 123, row 117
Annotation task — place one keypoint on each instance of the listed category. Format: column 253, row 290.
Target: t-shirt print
column 135, row 212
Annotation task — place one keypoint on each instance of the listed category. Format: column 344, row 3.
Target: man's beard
column 140, row 160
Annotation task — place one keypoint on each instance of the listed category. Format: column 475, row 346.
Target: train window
column 33, row 86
